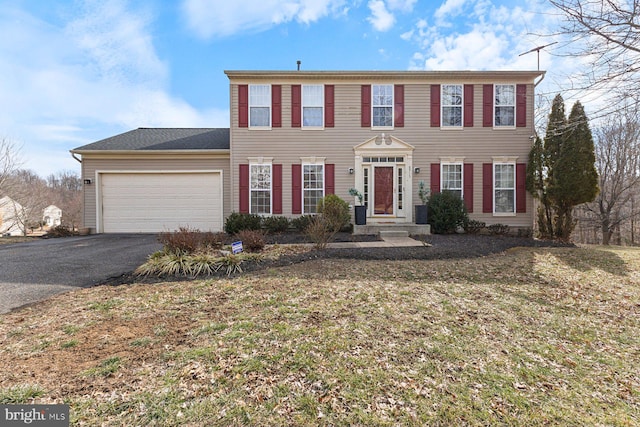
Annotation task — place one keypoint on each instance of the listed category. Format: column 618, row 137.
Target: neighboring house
column 296, row 136
column 10, row 213
column 52, row 216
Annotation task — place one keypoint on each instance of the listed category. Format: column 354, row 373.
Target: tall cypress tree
column 573, row 179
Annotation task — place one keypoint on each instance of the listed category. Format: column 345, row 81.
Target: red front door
column 383, row 191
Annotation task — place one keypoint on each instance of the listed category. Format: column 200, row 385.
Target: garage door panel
column 155, row 202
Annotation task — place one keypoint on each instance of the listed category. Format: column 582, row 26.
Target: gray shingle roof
column 163, row 139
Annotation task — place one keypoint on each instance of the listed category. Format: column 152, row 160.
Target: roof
column 163, row 139
column 368, row 74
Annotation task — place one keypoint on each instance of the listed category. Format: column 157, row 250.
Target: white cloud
column 449, row 7
column 405, row 6
column 381, row 18
column 220, row 18
column 71, row 84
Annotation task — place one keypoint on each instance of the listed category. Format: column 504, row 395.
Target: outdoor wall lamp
column 416, row 170
column 87, row 181
column 350, row 171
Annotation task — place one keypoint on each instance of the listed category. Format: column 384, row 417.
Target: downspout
column 74, row 156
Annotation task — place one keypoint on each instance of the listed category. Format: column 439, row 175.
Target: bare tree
column 618, row 165
column 30, row 195
column 607, row 34
column 9, row 163
column 66, row 189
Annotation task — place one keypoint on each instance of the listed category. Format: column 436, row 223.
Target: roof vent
column 298, row 62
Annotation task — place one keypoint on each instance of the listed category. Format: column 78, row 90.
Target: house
column 11, row 213
column 296, row 136
column 52, row 216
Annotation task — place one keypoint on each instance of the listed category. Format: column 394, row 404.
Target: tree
column 573, row 178
column 618, row 164
column 66, row 193
column 561, row 173
column 9, row 163
column 607, row 33
column 32, row 196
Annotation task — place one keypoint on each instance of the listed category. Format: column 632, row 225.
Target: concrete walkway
column 386, row 242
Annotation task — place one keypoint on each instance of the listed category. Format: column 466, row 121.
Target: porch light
column 416, row 170
column 350, row 170
column 87, row 181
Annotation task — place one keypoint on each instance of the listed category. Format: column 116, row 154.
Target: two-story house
column 296, row 136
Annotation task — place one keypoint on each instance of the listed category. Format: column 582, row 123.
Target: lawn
column 533, row 336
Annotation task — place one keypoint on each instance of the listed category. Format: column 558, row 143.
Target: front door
column 383, row 190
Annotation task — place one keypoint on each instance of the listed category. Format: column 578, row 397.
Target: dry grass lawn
column 530, row 337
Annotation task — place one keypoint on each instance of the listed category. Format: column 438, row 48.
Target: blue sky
column 74, row 72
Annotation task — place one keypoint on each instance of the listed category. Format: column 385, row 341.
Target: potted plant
column 421, row 210
column 360, row 210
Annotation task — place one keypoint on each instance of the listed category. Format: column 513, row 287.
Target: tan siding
column 477, row 145
column 91, row 165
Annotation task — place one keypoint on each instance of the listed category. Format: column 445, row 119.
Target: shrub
column 474, row 227
column 526, row 232
column 302, row 222
column 252, row 240
column 242, row 221
column 276, row 224
column 320, row 231
column 187, row 240
column 335, row 212
column 61, row 231
column 447, row 212
column 498, row 229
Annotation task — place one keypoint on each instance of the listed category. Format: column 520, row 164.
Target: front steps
column 392, row 230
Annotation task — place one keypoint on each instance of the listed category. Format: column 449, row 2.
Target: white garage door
column 155, row 202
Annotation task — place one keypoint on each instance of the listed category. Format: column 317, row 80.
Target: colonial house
column 296, row 136
column 11, row 217
column 52, row 216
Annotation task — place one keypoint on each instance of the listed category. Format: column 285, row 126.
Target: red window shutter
column 365, row 112
column 296, row 189
column 487, row 188
column 468, row 186
column 435, row 178
column 296, row 106
column 329, row 179
column 468, row 106
column 435, row 108
column 329, row 107
column 487, row 106
column 398, row 104
column 243, row 106
column 521, row 187
column 521, row 106
column 277, row 189
column 276, row 106
column 244, row 189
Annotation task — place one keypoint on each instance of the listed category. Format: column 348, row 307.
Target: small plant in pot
column 360, row 210
column 421, row 210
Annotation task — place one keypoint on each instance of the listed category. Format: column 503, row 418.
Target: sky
column 74, row 72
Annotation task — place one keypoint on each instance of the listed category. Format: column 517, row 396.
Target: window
column 312, row 187
column 452, row 105
column 260, row 189
column 451, row 178
column 504, row 188
column 504, row 105
column 382, row 105
column 312, row 105
column 259, row 105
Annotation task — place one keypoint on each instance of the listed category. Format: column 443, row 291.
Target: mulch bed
column 452, row 246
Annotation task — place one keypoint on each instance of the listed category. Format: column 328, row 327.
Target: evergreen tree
column 573, row 179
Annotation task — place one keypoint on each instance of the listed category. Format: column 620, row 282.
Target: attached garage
column 151, row 202
column 151, row 180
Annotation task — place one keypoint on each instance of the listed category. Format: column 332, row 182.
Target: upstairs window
column 312, row 105
column 452, row 105
column 382, row 105
column 259, row 105
column 504, row 105
column 312, row 187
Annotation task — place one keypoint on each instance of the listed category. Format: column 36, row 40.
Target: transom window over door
column 451, row 178
column 260, row 189
column 504, row 188
column 382, row 105
column 452, row 105
column 312, row 187
column 259, row 105
column 312, row 105
column 504, row 105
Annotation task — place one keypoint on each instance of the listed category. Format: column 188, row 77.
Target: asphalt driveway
column 33, row 271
